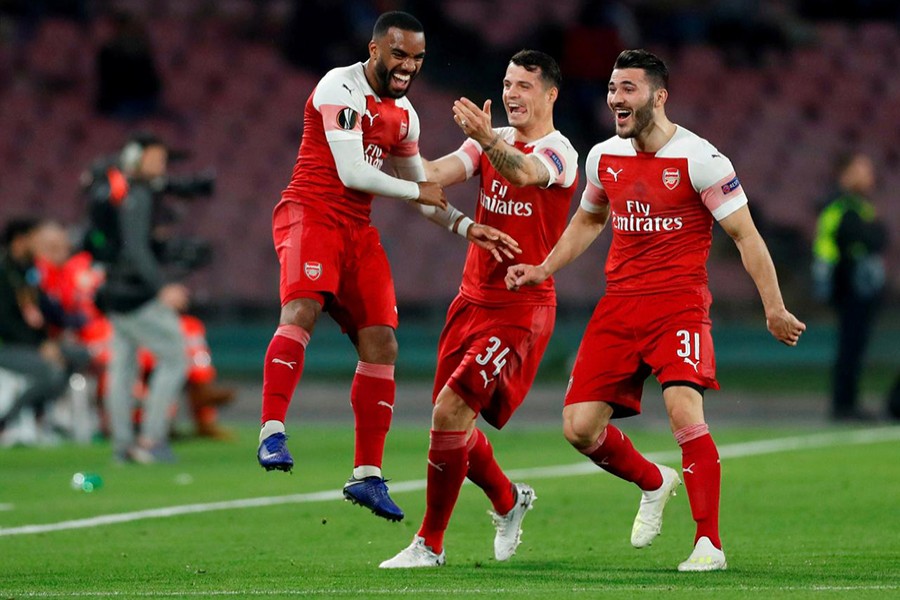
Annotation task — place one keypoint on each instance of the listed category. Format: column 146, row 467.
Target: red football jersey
column 662, row 207
column 533, row 216
column 343, row 106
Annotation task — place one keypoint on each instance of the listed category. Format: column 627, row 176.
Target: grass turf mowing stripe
column 771, row 446
column 467, row 592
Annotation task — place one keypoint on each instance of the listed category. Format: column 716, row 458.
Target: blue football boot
column 273, row 453
column 372, row 492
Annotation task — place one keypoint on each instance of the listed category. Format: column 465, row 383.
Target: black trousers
column 856, row 319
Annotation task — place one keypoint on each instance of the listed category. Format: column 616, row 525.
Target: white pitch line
column 820, row 440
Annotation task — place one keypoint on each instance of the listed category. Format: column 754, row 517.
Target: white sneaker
column 648, row 522
column 509, row 526
column 413, row 556
column 705, row 557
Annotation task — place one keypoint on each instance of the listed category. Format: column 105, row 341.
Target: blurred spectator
column 590, row 47
column 73, row 279
column 128, row 84
column 848, row 273
column 25, row 317
column 141, row 304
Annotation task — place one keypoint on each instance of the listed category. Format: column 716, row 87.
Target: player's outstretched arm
column 493, row 240
column 355, row 173
column 581, row 232
column 447, row 170
column 518, row 168
column 783, row 325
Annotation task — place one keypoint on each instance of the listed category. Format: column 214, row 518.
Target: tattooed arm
column 518, row 168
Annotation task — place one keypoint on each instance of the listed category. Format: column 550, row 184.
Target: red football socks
column 281, row 373
column 613, row 452
column 372, row 398
column 487, row 474
column 446, row 471
column 703, row 479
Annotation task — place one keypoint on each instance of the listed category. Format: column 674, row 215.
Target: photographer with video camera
column 141, row 302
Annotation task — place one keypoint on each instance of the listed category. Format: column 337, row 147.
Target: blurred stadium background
column 780, row 86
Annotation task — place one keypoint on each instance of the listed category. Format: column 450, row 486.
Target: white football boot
column 705, row 557
column 509, row 526
column 416, row 555
column 648, row 522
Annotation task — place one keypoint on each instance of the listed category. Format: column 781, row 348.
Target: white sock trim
column 363, row 471
column 270, row 427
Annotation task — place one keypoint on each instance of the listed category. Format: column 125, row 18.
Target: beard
column 643, row 116
column 383, row 76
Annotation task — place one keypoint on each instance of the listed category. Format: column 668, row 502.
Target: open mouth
column 515, row 109
column 622, row 115
column 400, row 80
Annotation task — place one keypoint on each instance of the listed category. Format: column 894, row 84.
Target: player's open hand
column 432, row 194
column 475, row 122
column 519, row 275
column 493, row 240
column 785, row 327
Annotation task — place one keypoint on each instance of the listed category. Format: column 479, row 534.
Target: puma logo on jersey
column 615, row 174
column 486, row 380
column 289, row 365
column 383, row 403
column 693, row 364
column 371, row 117
column 346, row 87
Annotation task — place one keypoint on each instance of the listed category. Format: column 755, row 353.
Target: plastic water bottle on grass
column 86, row 482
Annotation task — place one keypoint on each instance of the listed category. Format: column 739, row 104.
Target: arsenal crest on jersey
column 671, row 178
column 313, row 270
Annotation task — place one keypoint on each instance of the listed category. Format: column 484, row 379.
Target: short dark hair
column 532, row 60
column 653, row 66
column 16, row 228
column 398, row 19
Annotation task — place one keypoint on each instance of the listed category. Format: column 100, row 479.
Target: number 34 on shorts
column 493, row 359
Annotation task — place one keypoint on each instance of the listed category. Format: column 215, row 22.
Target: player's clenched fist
column 785, row 327
column 432, row 194
column 519, row 275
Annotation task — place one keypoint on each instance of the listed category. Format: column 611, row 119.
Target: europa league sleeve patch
column 347, row 119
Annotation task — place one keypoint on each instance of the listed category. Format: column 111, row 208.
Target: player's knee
column 584, row 422
column 377, row 345
column 451, row 413
column 581, row 432
column 302, row 312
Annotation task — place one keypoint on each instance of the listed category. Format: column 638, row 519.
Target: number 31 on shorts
column 690, row 347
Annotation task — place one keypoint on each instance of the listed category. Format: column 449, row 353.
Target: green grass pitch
column 817, row 521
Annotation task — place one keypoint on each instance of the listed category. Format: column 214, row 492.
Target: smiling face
column 394, row 61
column 527, row 100
column 632, row 100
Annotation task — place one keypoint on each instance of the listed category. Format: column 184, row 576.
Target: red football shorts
column 630, row 337
column 490, row 355
column 343, row 262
